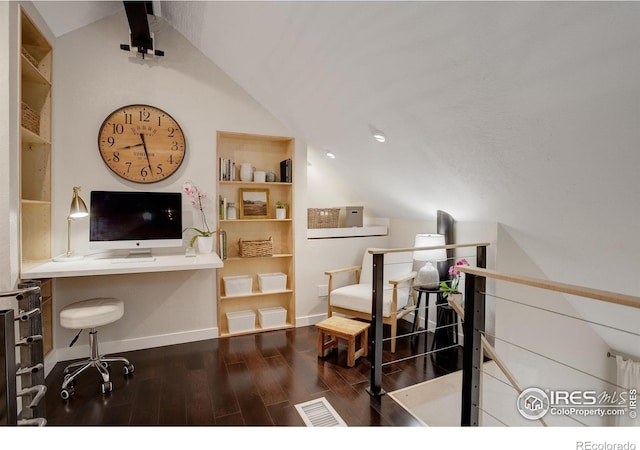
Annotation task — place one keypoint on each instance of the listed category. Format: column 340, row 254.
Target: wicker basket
column 30, row 119
column 323, row 217
column 256, row 248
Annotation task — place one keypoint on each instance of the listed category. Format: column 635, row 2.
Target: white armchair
column 355, row 299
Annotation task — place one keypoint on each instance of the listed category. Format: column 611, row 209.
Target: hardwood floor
column 243, row 380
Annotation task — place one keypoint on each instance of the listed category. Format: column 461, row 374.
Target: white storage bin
column 237, row 285
column 272, row 282
column 241, row 321
column 272, row 317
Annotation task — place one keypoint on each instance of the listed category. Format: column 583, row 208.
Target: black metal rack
column 23, row 378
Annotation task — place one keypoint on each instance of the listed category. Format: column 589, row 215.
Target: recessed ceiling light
column 331, row 155
column 377, row 134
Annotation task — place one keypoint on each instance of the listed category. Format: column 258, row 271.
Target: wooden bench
column 335, row 328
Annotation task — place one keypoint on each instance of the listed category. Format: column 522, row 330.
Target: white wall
column 6, row 278
column 93, row 77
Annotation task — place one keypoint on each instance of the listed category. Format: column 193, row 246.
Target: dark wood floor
column 244, row 380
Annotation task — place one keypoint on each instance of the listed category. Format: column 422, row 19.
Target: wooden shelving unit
column 35, row 144
column 36, row 60
column 265, row 153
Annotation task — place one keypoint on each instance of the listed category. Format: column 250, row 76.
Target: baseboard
column 111, row 347
column 310, row 320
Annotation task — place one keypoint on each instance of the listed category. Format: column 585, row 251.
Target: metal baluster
column 30, row 369
column 8, row 404
column 375, row 382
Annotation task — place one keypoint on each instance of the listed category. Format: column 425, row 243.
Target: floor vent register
column 319, row 413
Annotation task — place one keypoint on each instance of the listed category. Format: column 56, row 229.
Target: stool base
column 101, row 364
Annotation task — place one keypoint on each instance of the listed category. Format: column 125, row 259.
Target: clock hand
column 146, row 153
column 130, row 146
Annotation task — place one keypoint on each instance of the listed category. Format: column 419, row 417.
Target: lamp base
column 65, row 258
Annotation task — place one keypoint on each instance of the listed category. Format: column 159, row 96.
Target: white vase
column 246, row 172
column 428, row 277
column 281, row 213
column 205, row 244
column 232, row 214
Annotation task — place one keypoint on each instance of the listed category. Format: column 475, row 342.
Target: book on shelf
column 285, row 171
column 227, row 169
column 222, row 235
column 222, row 211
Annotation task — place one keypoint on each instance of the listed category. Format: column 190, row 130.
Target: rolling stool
column 90, row 314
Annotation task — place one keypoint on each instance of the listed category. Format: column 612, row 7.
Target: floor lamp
column 77, row 210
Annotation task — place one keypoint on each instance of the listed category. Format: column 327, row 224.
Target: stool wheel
column 67, row 393
column 128, row 369
column 107, row 366
column 106, row 387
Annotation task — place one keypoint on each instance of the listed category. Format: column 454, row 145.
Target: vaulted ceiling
column 506, row 111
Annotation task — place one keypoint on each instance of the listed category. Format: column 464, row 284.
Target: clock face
column 141, row 143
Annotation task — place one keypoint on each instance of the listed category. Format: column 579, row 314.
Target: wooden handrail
column 382, row 251
column 596, row 294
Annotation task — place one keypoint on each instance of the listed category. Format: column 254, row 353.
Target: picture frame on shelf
column 254, row 203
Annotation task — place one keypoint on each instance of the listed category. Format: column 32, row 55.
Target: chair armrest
column 407, row 277
column 331, row 273
column 343, row 270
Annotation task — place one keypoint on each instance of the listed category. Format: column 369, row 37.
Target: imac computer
column 135, row 221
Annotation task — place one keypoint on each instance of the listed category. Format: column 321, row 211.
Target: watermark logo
column 534, row 403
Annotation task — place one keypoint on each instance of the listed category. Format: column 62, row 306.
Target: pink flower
column 196, row 201
column 452, row 287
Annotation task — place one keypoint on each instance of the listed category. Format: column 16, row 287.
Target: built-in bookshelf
column 35, row 144
column 36, row 59
column 268, row 241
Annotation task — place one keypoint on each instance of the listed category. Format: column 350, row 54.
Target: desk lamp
column 77, row 210
column 428, row 276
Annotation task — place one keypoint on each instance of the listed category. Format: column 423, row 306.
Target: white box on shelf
column 272, row 317
column 241, row 321
column 272, row 282
column 237, row 285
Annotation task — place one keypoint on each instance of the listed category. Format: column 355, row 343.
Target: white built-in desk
column 102, row 264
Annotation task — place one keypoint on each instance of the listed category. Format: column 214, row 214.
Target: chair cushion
column 91, row 313
column 357, row 297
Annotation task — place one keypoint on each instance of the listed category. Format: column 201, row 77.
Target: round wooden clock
column 141, row 143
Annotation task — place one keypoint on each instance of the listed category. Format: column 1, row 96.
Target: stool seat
column 91, row 313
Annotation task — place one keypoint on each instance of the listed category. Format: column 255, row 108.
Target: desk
column 75, row 280
column 102, row 264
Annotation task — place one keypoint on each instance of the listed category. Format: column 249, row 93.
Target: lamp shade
column 78, row 208
column 429, row 240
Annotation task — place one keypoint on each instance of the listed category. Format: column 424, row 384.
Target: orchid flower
column 196, row 196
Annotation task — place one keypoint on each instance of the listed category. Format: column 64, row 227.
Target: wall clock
column 141, row 143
